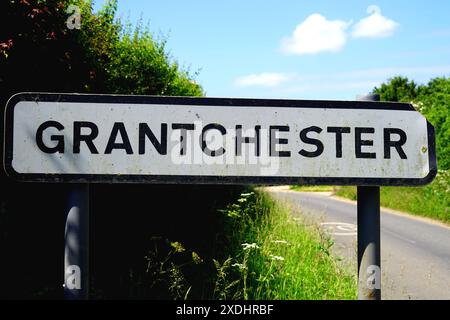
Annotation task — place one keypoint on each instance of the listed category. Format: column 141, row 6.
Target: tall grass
column 260, row 252
column 277, row 257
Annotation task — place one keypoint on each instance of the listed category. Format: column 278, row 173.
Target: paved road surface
column 415, row 254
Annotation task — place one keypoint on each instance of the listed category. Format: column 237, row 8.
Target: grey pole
column 76, row 249
column 369, row 251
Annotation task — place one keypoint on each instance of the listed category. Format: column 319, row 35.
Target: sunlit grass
column 279, row 258
column 431, row 201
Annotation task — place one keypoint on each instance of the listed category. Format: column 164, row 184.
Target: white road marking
column 340, row 228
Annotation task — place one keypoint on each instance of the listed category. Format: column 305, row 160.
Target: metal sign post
column 369, row 259
column 76, row 244
column 369, row 251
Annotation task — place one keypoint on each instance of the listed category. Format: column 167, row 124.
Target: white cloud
column 316, row 34
column 266, row 79
column 334, row 85
column 375, row 25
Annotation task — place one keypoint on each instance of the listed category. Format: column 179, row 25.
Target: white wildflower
column 248, row 246
column 419, row 105
column 276, row 258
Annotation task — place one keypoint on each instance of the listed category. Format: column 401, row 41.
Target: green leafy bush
column 432, row 100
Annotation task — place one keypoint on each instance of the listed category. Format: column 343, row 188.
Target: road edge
column 383, row 209
column 399, row 213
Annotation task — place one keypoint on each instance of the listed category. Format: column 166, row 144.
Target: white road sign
column 139, row 139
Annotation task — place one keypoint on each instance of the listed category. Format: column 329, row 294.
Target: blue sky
column 300, row 49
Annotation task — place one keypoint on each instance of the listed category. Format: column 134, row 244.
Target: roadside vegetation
column 432, row 201
column 261, row 252
column 433, row 101
column 40, row 53
column 279, row 257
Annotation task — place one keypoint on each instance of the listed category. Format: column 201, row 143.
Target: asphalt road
column 415, row 254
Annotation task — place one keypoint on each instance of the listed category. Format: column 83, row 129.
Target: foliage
column 261, row 252
column 398, row 89
column 39, row 53
column 431, row 201
column 130, row 60
column 276, row 257
column 432, row 100
column 224, row 289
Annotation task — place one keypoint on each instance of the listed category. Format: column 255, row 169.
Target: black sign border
column 232, row 102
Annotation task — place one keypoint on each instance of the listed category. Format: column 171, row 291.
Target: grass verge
column 276, row 257
column 313, row 188
column 259, row 252
column 432, row 201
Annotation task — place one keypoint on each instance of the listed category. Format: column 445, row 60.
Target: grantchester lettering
column 118, row 139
